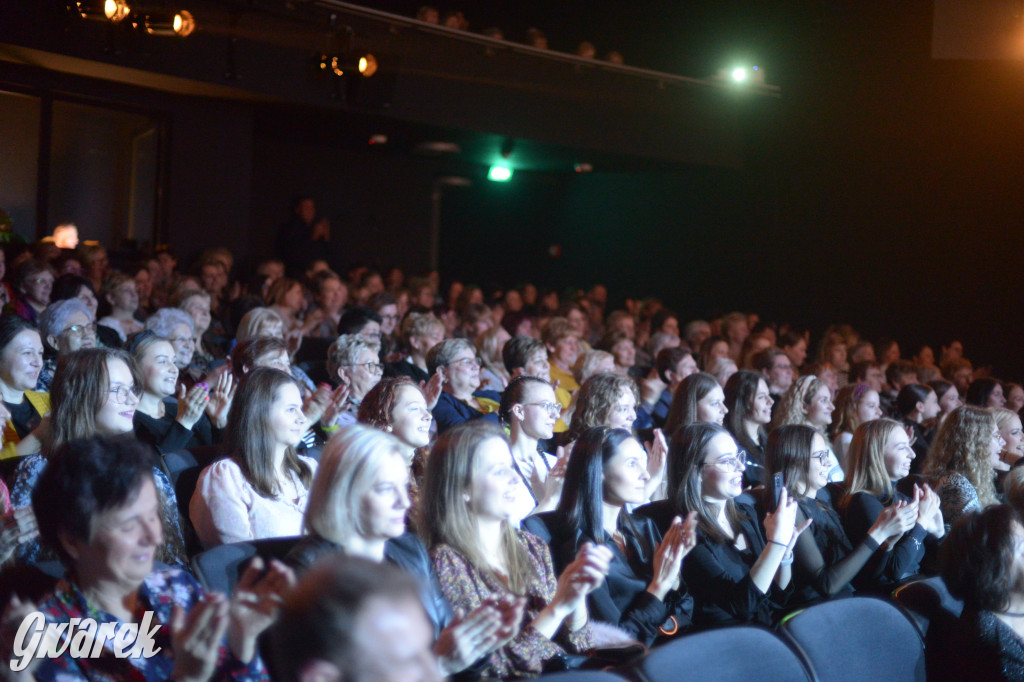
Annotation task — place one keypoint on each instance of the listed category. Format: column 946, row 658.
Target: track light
column 365, row 64
column 169, row 23
column 113, row 10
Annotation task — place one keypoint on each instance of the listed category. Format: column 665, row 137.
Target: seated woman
column 855, row 404
column 824, row 561
column 286, row 298
column 75, row 286
column 65, row 326
column 21, row 361
column 419, row 333
column 1014, row 396
column 672, row 366
column 712, row 348
column 1009, row 425
column 985, row 392
column 809, row 402
column 949, row 399
column 642, row 593
column 33, row 283
column 981, row 564
column 166, row 423
column 120, row 293
column 592, row 362
column 917, row 404
column 460, row 400
column 722, row 369
column 736, row 573
column 750, row 411
column 94, row 393
column 493, row 375
column 208, row 353
column 331, row 295
column 699, row 398
column 357, row 506
column 177, row 327
column 529, row 411
column 623, row 350
column 99, row 509
column 264, row 322
column 261, row 491
column 353, row 363
column 963, row 461
column 478, row 556
column 880, row 455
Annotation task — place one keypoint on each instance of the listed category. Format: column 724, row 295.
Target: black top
column 981, row 647
column 718, row 577
column 920, row 446
column 167, row 434
column 885, row 569
column 24, row 417
column 405, row 551
column 404, row 368
column 623, row 599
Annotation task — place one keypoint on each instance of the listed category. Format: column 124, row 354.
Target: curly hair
column 977, row 555
column 378, row 406
column 794, row 402
column 962, row 446
column 596, row 398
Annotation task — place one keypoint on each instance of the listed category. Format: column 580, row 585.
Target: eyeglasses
column 465, row 362
column 41, row 280
column 552, row 408
column 121, row 393
column 393, row 318
column 371, row 335
column 81, row 329
column 372, row 367
column 823, row 457
column 731, row 463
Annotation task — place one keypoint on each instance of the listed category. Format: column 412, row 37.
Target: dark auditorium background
column 883, row 186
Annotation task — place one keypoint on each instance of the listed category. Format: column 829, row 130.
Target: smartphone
column 775, row 491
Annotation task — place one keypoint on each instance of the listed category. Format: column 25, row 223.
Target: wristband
column 780, row 544
column 329, row 429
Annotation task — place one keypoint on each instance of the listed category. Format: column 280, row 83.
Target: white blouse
column 226, row 508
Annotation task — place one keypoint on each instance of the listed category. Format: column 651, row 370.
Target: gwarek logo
column 82, row 638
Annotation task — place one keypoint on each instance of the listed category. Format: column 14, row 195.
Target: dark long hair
column 789, row 452
column 740, row 391
column 684, row 403
column 979, row 391
column 248, row 434
column 687, row 454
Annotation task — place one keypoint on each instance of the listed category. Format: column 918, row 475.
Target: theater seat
column 739, row 654
column 861, row 638
column 219, row 569
column 927, row 599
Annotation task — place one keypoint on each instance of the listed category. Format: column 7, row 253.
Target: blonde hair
column 962, row 446
column 445, row 516
column 1013, row 487
column 253, row 322
column 349, row 465
column 865, row 460
column 587, row 364
column 1002, row 416
column 848, row 400
column 794, row 402
column 489, row 346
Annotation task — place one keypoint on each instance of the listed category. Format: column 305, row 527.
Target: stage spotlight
column 170, row 23
column 114, row 10
column 739, row 74
column 367, row 65
column 499, row 174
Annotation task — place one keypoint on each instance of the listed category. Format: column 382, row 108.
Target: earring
column 465, row 497
column 388, row 428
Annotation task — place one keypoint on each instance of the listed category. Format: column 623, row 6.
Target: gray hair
column 165, row 320
column 444, row 352
column 345, row 350
column 348, row 468
column 252, row 323
column 54, row 320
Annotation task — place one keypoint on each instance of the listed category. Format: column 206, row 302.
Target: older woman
column 21, row 361
column 879, row 457
column 264, row 322
column 261, row 491
column 196, row 303
column 99, row 509
column 177, row 327
column 642, row 593
column 478, row 556
column 963, row 459
column 750, row 411
column 698, row 398
column 119, row 291
column 456, row 362
column 94, row 393
column 419, row 333
column 355, row 364
column 357, row 506
column 855, row 404
column 33, row 283
column 331, row 295
column 65, row 326
column 981, row 565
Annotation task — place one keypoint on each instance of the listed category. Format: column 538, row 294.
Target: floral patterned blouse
column 33, row 552
column 159, row 593
column 465, row 587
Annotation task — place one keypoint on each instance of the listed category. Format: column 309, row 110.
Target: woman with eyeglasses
column 65, row 326
column 261, row 490
column 461, row 400
column 33, row 284
column 355, row 364
column 824, row 560
column 737, row 573
column 529, row 410
column 963, row 461
column 94, row 393
column 879, row 457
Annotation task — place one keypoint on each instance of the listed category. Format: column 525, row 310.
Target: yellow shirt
column 41, row 403
column 565, row 379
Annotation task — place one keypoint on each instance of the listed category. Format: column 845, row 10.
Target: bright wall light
column 739, row 74
column 499, row 174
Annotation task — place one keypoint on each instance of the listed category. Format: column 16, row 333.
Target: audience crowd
column 470, row 483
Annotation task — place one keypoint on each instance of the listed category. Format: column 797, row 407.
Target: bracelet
column 787, row 562
column 329, row 429
column 780, row 544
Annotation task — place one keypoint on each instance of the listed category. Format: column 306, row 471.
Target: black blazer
column 405, row 551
